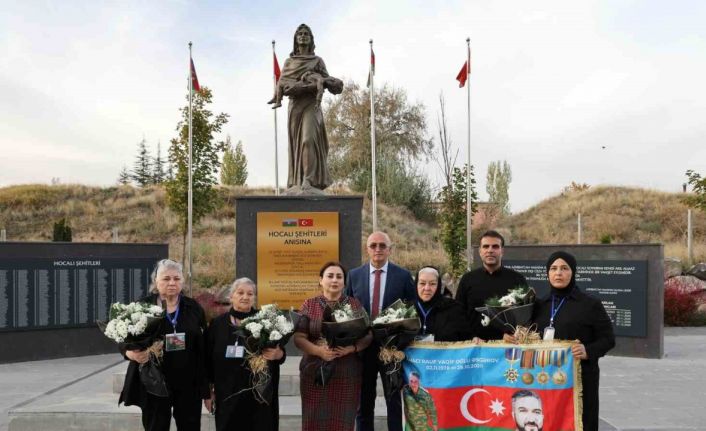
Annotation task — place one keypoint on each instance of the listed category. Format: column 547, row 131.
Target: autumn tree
column 401, row 142
column 206, row 150
column 698, row 186
column 234, row 169
column 497, row 184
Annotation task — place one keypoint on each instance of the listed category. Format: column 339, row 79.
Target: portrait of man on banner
column 493, row 386
column 419, row 409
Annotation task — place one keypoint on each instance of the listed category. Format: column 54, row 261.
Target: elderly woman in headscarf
column 442, row 318
column 304, row 78
column 569, row 314
column 231, row 380
column 183, row 360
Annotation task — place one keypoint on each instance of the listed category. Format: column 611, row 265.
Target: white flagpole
column 190, row 193
column 275, row 114
column 469, row 194
column 372, row 140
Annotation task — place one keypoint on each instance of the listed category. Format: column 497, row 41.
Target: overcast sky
column 607, row 92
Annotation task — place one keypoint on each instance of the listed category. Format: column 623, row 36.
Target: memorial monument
column 304, row 79
column 282, row 241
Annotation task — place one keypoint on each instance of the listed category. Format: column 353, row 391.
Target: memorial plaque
column 22, row 299
column 44, row 302
column 49, row 292
column 620, row 284
column 291, row 247
column 6, row 298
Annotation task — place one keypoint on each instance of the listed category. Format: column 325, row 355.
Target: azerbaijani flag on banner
column 464, row 386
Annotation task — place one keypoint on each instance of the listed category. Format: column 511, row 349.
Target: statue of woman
column 303, row 80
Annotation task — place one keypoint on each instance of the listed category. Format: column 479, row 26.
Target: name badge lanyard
column 425, row 314
column 555, row 310
column 173, row 320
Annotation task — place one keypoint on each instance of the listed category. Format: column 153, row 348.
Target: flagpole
column 372, row 139
column 190, row 192
column 469, row 191
column 275, row 114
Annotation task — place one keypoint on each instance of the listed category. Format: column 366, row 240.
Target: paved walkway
column 636, row 394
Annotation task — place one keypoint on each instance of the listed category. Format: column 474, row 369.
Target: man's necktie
column 376, row 295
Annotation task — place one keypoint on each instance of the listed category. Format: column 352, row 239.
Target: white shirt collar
column 384, row 267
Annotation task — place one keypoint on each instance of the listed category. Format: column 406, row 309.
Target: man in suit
column 377, row 284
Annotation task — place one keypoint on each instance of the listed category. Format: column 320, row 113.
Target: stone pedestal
column 349, row 209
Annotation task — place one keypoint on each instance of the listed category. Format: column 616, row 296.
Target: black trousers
column 244, row 413
column 589, row 381
column 366, row 411
column 184, row 404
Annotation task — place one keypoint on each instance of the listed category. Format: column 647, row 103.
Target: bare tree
column 446, row 157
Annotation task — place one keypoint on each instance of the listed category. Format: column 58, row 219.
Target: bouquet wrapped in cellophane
column 268, row 328
column 136, row 326
column 341, row 326
column 510, row 311
column 393, row 330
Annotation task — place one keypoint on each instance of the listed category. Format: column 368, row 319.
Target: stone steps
column 288, row 379
column 91, row 403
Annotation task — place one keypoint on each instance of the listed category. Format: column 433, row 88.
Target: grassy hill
column 28, row 212
column 628, row 215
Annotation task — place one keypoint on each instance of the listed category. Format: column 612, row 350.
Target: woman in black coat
column 183, row 364
column 571, row 314
column 231, row 379
column 441, row 317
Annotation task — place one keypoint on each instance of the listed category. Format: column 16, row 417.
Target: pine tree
column 124, row 176
column 142, row 171
column 158, row 174
column 234, row 169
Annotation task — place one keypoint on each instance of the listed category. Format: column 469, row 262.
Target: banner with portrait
column 492, row 386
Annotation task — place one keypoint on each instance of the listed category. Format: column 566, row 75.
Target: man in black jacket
column 491, row 279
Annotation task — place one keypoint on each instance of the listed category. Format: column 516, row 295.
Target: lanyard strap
column 425, row 314
column 555, row 310
column 173, row 320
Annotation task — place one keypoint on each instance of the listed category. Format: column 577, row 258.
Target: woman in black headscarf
column 569, row 314
column 441, row 317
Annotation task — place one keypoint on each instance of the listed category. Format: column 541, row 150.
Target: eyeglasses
column 378, row 245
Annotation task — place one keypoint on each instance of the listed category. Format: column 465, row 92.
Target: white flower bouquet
column 130, row 321
column 509, row 311
column 268, row 328
column 136, row 326
column 342, row 325
column 393, row 330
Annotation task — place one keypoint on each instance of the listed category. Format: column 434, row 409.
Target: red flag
column 194, row 79
column 306, row 222
column 463, row 75
column 278, row 72
column 372, row 61
column 371, row 73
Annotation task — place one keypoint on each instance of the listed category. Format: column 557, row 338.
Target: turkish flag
column 306, row 222
column 462, row 75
